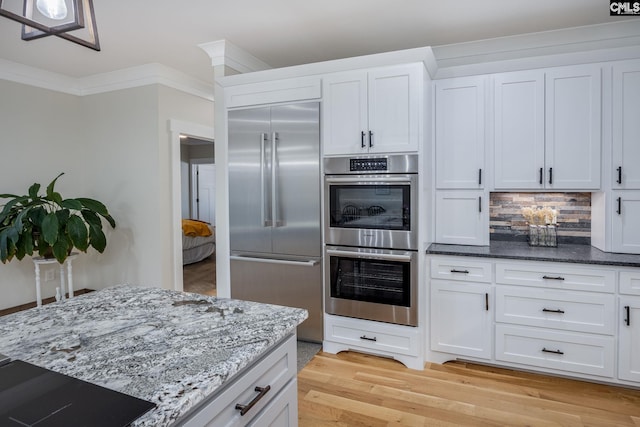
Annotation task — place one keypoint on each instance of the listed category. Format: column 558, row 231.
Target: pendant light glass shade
column 54, row 9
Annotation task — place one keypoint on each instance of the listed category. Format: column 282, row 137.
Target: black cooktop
column 34, row 396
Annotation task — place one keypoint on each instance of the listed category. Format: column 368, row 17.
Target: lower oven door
column 372, row 284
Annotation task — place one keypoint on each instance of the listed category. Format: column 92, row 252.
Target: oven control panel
column 366, row 165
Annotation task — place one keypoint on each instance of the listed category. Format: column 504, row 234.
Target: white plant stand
column 38, row 261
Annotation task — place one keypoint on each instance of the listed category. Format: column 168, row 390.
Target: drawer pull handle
column 453, row 270
column 628, row 319
column 552, row 277
column 552, row 351
column 246, row 408
column 548, row 310
column 364, row 337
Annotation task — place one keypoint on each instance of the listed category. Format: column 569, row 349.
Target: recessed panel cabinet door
column 462, row 217
column 519, row 130
column 573, row 123
column 461, row 320
column 394, row 108
column 625, row 222
column 626, row 126
column 460, row 132
column 629, row 339
column 344, row 113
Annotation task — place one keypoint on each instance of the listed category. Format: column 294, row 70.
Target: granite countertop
column 167, row 347
column 581, row 254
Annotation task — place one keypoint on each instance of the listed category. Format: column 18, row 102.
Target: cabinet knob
column 362, row 139
column 627, row 320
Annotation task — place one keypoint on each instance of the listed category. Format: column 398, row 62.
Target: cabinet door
column 629, row 339
column 573, row 122
column 625, row 222
column 460, row 133
column 519, row 130
column 394, row 108
column 462, row 217
column 626, row 126
column 461, row 319
column 344, row 113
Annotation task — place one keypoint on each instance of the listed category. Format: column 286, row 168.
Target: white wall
column 113, row 147
column 42, row 135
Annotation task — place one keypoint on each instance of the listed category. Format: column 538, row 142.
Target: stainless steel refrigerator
column 274, row 209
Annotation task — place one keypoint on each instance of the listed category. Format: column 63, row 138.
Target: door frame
column 177, row 128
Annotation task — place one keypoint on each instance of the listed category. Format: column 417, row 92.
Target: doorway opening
column 197, row 182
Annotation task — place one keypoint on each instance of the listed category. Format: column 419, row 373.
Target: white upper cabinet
column 548, row 129
column 519, row 130
column 372, row 111
column 573, row 123
column 626, row 126
column 625, row 222
column 460, row 132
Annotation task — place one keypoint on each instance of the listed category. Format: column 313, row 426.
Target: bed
column 198, row 240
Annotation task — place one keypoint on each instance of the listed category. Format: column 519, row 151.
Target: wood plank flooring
column 352, row 389
column 200, row 277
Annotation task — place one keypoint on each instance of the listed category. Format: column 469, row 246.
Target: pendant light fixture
column 41, row 18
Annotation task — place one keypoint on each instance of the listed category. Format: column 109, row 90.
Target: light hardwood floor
column 352, row 389
column 200, row 277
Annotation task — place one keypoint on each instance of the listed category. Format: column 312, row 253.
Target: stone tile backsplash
column 574, row 215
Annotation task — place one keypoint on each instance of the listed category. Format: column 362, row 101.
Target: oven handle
column 385, row 257
column 347, row 180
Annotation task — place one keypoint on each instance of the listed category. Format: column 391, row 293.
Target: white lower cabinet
column 579, row 320
column 557, row 309
column 400, row 342
column 261, row 396
column 629, row 333
column 461, row 320
column 545, row 348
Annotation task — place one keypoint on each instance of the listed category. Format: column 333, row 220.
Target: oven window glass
column 380, row 207
column 384, row 282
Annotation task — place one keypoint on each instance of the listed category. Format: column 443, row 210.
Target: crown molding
column 223, row 52
column 105, row 82
column 592, row 43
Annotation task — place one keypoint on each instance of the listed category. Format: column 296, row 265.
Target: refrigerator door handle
column 274, row 182
column 266, row 222
column 309, row 263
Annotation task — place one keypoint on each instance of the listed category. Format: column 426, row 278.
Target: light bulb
column 54, row 9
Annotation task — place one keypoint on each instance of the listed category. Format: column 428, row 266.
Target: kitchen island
column 176, row 350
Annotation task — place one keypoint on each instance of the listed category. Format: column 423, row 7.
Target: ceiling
column 285, row 32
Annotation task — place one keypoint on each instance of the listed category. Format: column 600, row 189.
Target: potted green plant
column 50, row 225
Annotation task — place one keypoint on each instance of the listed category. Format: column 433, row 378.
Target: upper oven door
column 378, row 211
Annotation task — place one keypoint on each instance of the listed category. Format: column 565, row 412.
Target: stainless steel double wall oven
column 371, row 237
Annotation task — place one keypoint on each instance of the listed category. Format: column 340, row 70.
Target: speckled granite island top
column 582, row 254
column 167, row 347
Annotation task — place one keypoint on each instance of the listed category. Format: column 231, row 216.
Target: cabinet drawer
column 461, row 269
column 566, row 310
column 556, row 275
column 566, row 351
column 372, row 335
column 275, row 370
column 630, row 282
